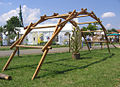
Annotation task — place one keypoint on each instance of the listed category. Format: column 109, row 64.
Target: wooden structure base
column 67, row 18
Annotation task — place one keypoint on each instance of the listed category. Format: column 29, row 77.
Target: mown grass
column 95, row 69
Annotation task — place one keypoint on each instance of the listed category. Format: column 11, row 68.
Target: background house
column 38, row 36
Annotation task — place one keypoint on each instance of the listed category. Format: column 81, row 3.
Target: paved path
column 34, row 51
column 38, row 51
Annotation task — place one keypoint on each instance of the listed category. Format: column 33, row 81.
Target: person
column 89, row 39
column 82, row 41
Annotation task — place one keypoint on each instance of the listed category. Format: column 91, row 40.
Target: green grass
column 95, row 69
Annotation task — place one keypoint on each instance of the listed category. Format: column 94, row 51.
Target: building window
column 33, row 38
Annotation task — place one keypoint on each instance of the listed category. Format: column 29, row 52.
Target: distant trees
column 1, row 31
column 93, row 27
column 90, row 27
column 112, row 30
column 9, row 28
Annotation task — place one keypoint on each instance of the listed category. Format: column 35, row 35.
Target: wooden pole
column 16, row 42
column 43, row 27
column 4, row 76
column 87, row 22
column 93, row 31
column 82, row 16
column 86, row 41
column 104, row 29
column 72, row 22
column 60, row 28
column 12, row 55
column 53, row 36
column 71, row 16
column 105, row 36
column 36, row 47
column 9, row 60
column 40, row 63
column 27, row 31
column 56, row 28
column 39, row 21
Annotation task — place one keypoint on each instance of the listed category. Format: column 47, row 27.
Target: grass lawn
column 95, row 69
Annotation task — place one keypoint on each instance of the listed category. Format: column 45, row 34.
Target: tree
column 76, row 42
column 112, row 30
column 1, row 31
column 90, row 27
column 9, row 28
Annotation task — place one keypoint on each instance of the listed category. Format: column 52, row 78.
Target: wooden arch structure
column 67, row 18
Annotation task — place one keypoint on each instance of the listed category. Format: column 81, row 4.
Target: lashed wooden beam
column 18, row 40
column 12, row 55
column 87, row 22
column 40, row 63
column 93, row 31
column 82, row 16
column 104, row 29
column 71, row 16
column 51, row 26
column 36, row 47
column 62, row 24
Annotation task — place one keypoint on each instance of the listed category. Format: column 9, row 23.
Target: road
column 38, row 51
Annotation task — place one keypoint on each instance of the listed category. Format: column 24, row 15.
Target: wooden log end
column 85, row 9
column 92, row 12
column 44, row 15
column 27, row 26
column 6, row 77
column 82, row 9
column 98, row 19
column 69, row 12
column 55, row 14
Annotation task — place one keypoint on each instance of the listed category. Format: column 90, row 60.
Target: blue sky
column 107, row 10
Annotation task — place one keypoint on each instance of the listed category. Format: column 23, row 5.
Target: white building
column 37, row 36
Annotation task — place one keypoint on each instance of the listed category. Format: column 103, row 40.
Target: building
column 38, row 36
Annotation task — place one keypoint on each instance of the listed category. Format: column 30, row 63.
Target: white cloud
column 108, row 14
column 76, row 20
column 108, row 25
column 29, row 15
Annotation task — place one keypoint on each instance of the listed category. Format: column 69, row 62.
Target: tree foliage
column 90, row 27
column 112, row 30
column 76, row 40
column 9, row 28
column 1, row 31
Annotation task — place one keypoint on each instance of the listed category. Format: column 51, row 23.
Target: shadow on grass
column 18, row 67
column 75, row 67
column 62, row 71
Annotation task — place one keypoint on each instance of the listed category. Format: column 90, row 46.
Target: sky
column 107, row 10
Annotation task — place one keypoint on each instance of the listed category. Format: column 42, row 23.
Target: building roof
column 67, row 27
column 118, row 30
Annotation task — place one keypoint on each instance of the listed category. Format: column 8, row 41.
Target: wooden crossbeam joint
column 36, row 47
